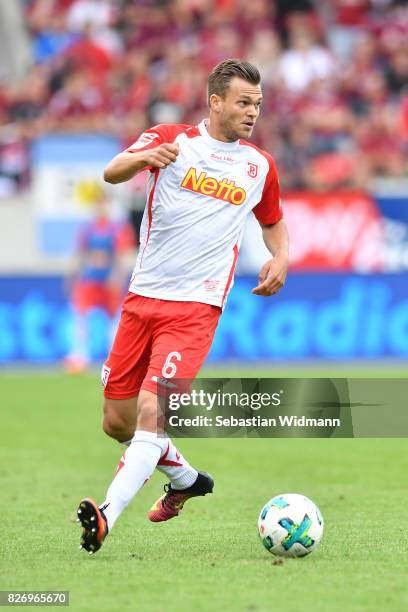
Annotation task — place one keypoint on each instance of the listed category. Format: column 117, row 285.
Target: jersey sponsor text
column 207, row 185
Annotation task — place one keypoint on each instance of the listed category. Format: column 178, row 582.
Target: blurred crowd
column 335, row 78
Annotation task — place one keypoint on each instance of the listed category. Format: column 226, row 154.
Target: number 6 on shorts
column 169, row 369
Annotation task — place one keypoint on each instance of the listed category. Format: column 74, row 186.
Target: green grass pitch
column 53, row 452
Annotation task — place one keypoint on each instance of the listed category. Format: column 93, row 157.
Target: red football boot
column 170, row 504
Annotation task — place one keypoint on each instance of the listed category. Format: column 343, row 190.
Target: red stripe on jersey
column 231, row 274
column 149, row 214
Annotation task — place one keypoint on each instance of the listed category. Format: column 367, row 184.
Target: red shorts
column 88, row 294
column 157, row 339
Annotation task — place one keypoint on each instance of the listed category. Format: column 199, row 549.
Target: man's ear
column 215, row 103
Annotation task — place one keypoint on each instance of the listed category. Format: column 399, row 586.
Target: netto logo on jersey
column 224, row 190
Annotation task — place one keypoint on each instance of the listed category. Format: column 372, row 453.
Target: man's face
column 238, row 111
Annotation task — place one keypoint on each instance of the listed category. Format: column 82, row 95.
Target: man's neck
column 215, row 132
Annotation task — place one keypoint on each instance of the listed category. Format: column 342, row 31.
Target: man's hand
column 272, row 276
column 161, row 156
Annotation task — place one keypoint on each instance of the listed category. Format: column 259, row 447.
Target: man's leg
column 183, row 340
column 83, row 299
column 148, row 448
column 135, row 467
column 142, row 455
column 77, row 359
column 120, row 415
column 120, row 418
column 177, row 469
column 119, row 422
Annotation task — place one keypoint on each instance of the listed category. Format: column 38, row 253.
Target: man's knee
column 116, row 429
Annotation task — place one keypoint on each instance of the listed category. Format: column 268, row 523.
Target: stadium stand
column 335, row 77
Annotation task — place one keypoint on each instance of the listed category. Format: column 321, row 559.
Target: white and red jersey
column 195, row 214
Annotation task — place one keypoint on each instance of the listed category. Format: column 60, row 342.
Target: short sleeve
column 149, row 139
column 155, row 136
column 268, row 211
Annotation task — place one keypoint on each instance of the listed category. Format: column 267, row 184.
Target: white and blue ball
column 290, row 525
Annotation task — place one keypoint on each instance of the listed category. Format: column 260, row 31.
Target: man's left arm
column 273, row 273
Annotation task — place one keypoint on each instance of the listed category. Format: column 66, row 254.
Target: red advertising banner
column 339, row 231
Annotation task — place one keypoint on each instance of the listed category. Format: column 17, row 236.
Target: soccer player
column 98, row 277
column 204, row 180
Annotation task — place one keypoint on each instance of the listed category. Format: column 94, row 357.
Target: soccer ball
column 290, row 525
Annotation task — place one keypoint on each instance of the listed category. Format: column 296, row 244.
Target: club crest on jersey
column 252, row 169
column 224, row 190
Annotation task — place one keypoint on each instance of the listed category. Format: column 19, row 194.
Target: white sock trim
column 149, row 436
column 185, row 480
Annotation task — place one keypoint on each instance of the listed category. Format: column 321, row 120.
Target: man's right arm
column 125, row 165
